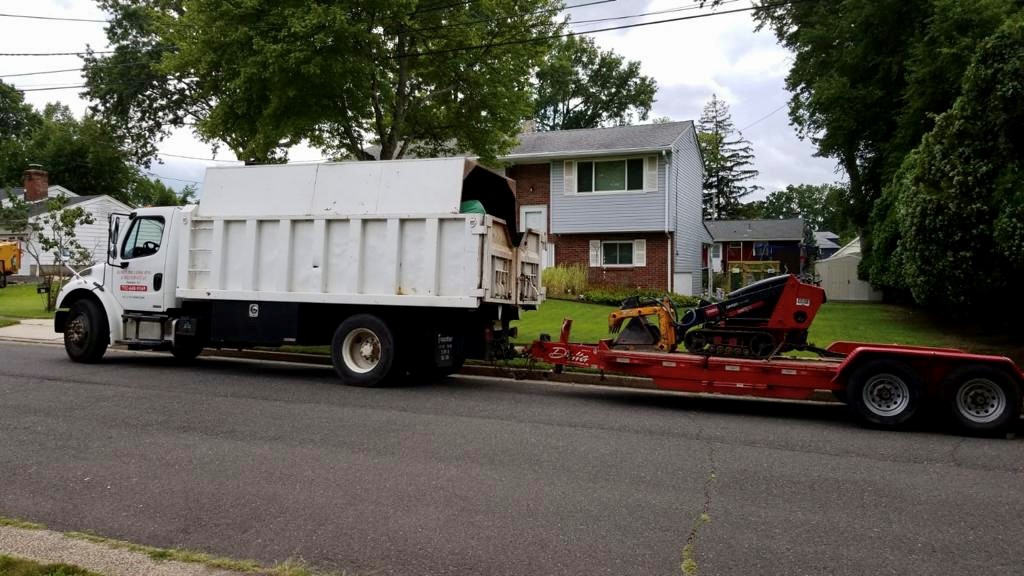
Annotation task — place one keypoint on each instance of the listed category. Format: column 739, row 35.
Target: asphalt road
column 485, row 476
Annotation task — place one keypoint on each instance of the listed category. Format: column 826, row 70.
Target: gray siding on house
column 627, row 212
column 687, row 189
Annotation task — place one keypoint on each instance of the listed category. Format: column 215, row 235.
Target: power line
column 763, row 118
column 33, row 17
column 55, row 53
column 175, row 179
column 49, row 88
column 194, row 157
column 497, row 18
column 595, row 31
column 42, row 72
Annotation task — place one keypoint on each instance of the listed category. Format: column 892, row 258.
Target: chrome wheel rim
column 77, row 330
column 886, row 395
column 361, row 350
column 981, row 400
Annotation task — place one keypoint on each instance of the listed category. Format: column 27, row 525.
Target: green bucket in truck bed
column 472, row 207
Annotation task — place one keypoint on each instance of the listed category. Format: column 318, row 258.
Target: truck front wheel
column 363, row 350
column 86, row 333
column 884, row 393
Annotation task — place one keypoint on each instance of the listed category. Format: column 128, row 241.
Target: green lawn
column 21, row 301
column 862, row 322
column 10, row 566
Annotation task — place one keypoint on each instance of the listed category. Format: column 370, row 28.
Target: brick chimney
column 36, row 182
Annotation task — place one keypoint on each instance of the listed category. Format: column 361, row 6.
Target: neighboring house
column 838, row 275
column 92, row 237
column 827, row 243
column 625, row 202
column 754, row 240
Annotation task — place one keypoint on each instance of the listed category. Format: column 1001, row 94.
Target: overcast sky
column 690, row 59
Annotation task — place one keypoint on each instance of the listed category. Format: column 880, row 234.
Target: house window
column 610, row 175
column 617, row 253
column 716, row 250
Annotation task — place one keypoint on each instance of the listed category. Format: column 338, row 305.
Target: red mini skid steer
column 757, row 321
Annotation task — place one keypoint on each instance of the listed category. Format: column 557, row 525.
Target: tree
column 868, row 80
column 82, row 155
column 821, row 206
column 17, row 121
column 960, row 204
column 581, row 86
column 262, row 75
column 728, row 161
column 149, row 192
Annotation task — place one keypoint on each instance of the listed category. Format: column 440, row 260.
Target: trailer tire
column 363, row 350
column 86, row 333
column 982, row 399
column 884, row 393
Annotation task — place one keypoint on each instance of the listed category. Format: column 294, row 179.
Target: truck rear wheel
column 982, row 399
column 884, row 393
column 363, row 350
column 86, row 334
column 186, row 349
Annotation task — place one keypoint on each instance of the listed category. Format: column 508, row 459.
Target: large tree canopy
column 262, row 75
column 581, row 86
column 822, row 207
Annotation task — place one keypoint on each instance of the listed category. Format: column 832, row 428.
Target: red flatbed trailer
column 885, row 384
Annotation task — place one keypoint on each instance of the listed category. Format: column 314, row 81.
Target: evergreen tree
column 728, row 162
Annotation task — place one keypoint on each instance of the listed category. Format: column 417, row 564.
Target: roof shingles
column 769, row 229
column 599, row 140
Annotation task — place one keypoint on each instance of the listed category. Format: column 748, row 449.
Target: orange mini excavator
column 757, row 321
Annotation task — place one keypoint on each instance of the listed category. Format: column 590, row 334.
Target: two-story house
column 625, row 202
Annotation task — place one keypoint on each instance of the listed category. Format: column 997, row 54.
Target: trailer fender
column 942, row 360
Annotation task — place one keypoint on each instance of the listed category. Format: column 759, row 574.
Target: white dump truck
column 402, row 267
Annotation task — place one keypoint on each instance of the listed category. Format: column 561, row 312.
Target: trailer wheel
column 86, row 333
column 884, row 393
column 982, row 399
column 363, row 350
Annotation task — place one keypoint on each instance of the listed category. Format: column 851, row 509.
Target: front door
column 139, row 280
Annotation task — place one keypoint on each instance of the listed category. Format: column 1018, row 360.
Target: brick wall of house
column 533, row 185
column 575, row 249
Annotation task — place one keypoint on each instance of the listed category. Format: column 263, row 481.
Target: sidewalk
column 32, row 330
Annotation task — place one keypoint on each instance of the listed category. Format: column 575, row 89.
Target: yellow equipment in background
column 10, row 260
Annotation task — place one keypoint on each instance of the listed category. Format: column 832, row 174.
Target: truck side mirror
column 112, row 240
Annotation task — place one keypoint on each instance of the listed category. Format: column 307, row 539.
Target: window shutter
column 569, row 177
column 639, row 252
column 651, row 175
column 595, row 253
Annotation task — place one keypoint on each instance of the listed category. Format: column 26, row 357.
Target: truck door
column 139, row 276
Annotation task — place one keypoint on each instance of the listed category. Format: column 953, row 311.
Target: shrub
column 614, row 295
column 562, row 281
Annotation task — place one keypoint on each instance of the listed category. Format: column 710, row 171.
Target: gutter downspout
column 668, row 236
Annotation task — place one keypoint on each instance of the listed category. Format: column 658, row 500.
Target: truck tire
column 363, row 350
column 982, row 399
column 884, row 393
column 86, row 333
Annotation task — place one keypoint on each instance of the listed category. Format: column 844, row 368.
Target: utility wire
column 61, row 19
column 595, row 31
column 55, row 53
column 765, row 117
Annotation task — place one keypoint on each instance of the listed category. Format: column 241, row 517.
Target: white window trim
column 542, row 208
column 574, row 191
column 639, row 250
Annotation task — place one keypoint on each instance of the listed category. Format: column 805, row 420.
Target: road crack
column 689, row 564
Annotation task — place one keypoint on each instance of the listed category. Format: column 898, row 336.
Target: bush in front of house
column 565, row 282
column 614, row 295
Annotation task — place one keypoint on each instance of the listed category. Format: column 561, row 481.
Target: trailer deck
column 884, row 383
